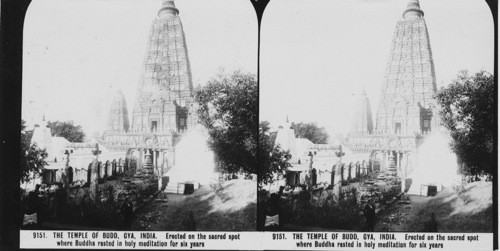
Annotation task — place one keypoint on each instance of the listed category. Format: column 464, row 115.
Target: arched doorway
column 121, row 164
column 114, row 170
column 349, row 177
column 342, row 167
column 332, row 178
column 374, row 163
column 89, row 173
column 99, row 170
column 314, row 176
column 70, row 175
column 107, row 171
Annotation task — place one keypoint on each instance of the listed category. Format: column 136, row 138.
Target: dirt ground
column 232, row 208
column 401, row 217
column 153, row 216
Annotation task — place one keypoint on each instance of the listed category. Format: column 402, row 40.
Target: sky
column 77, row 54
column 318, row 55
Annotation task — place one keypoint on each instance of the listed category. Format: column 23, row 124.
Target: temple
column 141, row 150
column 165, row 88
column 407, row 104
column 362, row 122
column 163, row 108
column 407, row 110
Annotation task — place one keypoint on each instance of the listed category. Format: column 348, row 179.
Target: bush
column 332, row 214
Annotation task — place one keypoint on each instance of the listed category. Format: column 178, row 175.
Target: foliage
column 271, row 158
column 32, row 157
column 311, row 131
column 228, row 107
column 468, row 110
column 330, row 213
column 71, row 132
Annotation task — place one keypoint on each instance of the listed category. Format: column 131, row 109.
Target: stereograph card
column 262, row 125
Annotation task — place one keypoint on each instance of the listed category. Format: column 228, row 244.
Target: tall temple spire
column 118, row 114
column 413, row 10
column 168, row 8
column 164, row 94
column 362, row 122
column 407, row 100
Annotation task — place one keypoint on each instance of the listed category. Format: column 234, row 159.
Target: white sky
column 316, row 55
column 78, row 53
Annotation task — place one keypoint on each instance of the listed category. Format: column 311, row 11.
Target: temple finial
column 168, row 7
column 413, row 9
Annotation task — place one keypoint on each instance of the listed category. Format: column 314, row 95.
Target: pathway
column 152, row 216
column 398, row 217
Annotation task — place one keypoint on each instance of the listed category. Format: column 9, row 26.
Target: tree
column 468, row 110
column 67, row 130
column 311, row 131
column 271, row 158
column 32, row 157
column 228, row 107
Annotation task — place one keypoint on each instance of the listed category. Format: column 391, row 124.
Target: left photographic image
column 139, row 115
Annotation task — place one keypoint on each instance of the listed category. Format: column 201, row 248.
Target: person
column 273, row 221
column 32, row 200
column 60, row 199
column 188, row 222
column 369, row 212
column 127, row 212
column 31, row 212
column 84, row 206
column 431, row 225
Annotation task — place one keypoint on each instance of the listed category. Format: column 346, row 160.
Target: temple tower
column 118, row 114
column 407, row 104
column 164, row 106
column 164, row 95
column 362, row 121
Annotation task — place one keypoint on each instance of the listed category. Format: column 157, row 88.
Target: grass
column 232, row 208
column 459, row 210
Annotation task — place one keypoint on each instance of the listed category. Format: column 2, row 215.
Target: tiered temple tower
column 165, row 88
column 362, row 120
column 118, row 114
column 164, row 103
column 407, row 111
column 407, row 102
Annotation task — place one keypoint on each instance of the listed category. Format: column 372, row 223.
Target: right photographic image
column 377, row 115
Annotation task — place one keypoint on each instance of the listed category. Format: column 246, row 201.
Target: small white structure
column 194, row 162
column 76, row 156
column 437, row 166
